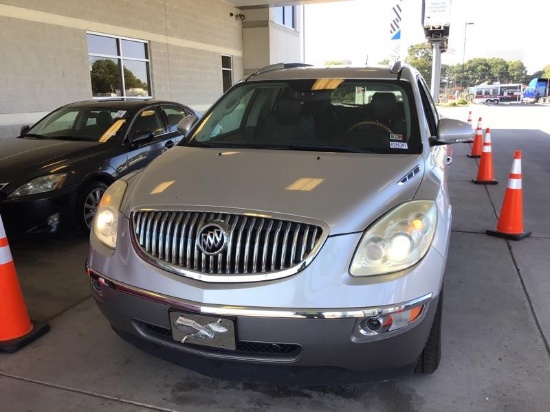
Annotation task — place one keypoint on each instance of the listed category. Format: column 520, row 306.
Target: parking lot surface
column 496, row 319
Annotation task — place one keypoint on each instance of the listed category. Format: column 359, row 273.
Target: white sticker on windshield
column 395, row 136
column 398, row 145
column 120, row 113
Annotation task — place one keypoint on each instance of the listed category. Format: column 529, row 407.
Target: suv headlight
column 40, row 185
column 396, row 241
column 106, row 218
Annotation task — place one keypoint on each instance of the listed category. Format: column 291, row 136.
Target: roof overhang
column 272, row 3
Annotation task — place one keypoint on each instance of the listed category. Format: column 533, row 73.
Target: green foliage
column 461, row 102
column 472, row 72
column 420, row 57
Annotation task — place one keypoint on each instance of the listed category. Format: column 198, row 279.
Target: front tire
column 87, row 204
column 431, row 355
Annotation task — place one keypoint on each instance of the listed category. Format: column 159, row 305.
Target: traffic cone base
column 515, row 236
column 485, row 182
column 474, row 156
column 13, row 345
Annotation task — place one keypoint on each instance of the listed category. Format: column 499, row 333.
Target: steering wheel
column 370, row 123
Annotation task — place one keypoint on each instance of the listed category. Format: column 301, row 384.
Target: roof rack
column 277, row 66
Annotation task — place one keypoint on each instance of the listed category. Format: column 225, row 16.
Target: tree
column 420, row 57
column 546, row 72
column 517, row 71
column 105, row 77
column 498, row 69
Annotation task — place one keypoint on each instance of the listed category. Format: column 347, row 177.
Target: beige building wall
column 44, row 52
column 266, row 42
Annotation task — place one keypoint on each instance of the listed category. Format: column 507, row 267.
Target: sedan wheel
column 88, row 203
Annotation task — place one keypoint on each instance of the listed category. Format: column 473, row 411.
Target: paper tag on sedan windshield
column 120, row 113
column 398, row 145
column 395, row 136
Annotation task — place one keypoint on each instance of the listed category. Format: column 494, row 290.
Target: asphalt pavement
column 496, row 321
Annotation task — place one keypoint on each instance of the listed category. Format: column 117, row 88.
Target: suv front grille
column 255, row 245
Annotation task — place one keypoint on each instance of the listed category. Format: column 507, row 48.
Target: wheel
column 369, row 123
column 87, row 204
column 431, row 355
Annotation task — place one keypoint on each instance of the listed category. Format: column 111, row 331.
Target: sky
column 359, row 31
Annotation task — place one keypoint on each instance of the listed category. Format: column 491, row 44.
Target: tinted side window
column 173, row 114
column 149, row 120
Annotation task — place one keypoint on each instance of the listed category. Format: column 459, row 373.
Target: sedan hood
column 347, row 191
column 21, row 154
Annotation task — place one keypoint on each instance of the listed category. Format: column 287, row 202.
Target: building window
column 285, row 15
column 227, row 73
column 119, row 67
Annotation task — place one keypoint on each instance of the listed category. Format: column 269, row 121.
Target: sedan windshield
column 74, row 123
column 331, row 115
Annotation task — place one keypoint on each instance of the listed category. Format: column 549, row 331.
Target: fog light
column 54, row 219
column 389, row 322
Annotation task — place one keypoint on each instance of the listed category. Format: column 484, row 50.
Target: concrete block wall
column 44, row 52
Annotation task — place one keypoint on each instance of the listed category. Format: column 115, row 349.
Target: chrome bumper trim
column 224, row 310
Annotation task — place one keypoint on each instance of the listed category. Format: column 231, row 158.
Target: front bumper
column 269, row 337
column 38, row 213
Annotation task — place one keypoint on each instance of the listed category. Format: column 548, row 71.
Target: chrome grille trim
column 259, row 247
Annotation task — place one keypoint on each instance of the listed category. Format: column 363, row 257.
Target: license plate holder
column 203, row 330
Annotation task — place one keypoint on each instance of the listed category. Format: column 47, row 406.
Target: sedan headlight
column 40, row 185
column 396, row 241
column 106, row 218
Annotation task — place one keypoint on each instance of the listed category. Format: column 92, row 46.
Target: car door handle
column 169, row 144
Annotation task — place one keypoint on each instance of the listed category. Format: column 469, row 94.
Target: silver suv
column 304, row 222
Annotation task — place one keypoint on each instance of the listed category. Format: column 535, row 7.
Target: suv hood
column 346, row 191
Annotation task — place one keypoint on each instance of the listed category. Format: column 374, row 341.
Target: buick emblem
column 212, row 238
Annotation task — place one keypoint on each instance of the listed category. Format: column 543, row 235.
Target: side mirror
column 185, row 124
column 451, row 131
column 24, row 130
column 141, row 137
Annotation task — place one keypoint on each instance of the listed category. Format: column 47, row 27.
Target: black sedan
column 57, row 170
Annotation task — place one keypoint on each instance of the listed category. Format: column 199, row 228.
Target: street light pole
column 464, row 52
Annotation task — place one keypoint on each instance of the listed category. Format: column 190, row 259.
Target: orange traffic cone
column 478, row 144
column 485, row 170
column 470, row 123
column 16, row 329
column 510, row 221
column 480, row 123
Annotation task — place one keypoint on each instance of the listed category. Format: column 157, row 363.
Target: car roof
column 297, row 72
column 120, row 103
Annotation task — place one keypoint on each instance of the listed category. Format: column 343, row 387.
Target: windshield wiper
column 330, row 147
column 38, row 136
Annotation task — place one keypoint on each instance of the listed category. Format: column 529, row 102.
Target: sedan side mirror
column 24, row 130
column 141, row 137
column 451, row 131
column 185, row 124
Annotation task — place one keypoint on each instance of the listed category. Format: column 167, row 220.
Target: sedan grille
column 251, row 244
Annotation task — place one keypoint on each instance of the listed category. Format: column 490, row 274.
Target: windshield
column 80, row 123
column 319, row 114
